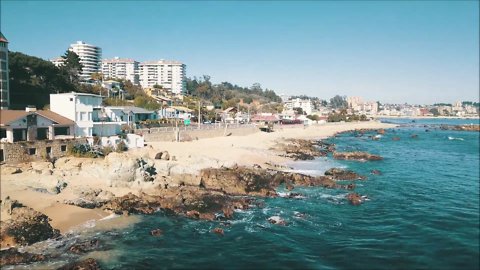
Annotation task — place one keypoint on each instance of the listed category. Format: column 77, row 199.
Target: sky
column 420, row 52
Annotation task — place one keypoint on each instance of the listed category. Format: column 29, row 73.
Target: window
column 32, row 151
column 48, row 150
column 71, row 99
column 63, row 147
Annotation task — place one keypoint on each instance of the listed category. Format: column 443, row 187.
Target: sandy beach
column 32, row 186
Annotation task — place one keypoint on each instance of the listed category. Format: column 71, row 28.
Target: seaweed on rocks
column 12, row 256
column 25, row 227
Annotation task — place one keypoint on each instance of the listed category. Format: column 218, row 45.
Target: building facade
column 305, row 104
column 80, row 108
column 126, row 69
column 90, row 58
column 32, row 125
column 171, row 75
column 4, row 84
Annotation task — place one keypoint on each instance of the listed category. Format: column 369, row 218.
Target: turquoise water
column 423, row 212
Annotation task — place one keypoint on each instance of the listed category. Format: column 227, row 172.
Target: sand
column 242, row 150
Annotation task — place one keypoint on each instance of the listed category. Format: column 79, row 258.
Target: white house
column 31, row 125
column 177, row 112
column 87, row 112
column 128, row 114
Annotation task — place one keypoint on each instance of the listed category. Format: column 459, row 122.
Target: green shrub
column 121, row 147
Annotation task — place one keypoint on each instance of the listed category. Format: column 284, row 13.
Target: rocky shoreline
column 209, row 194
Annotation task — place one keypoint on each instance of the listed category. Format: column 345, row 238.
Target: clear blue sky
column 396, row 51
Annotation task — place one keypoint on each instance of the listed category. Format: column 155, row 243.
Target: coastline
column 428, row 117
column 190, row 157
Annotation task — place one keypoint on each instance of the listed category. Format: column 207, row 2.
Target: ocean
column 422, row 212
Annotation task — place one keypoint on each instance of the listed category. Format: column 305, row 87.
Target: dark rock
column 354, row 198
column 277, row 220
column 299, row 149
column 87, row 264
column 26, row 227
column 158, row 155
column 362, row 156
column 12, row 256
column 156, row 232
column 238, row 181
column 343, row 174
column 84, row 246
column 218, row 231
column 295, row 195
column 132, row 204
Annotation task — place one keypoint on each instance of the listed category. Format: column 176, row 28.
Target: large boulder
column 84, row 247
column 91, row 198
column 238, row 181
column 121, row 169
column 26, row 227
column 300, row 149
column 343, row 174
column 355, row 198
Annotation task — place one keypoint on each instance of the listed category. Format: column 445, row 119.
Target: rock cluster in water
column 361, row 156
column 12, row 256
column 209, row 194
column 299, row 149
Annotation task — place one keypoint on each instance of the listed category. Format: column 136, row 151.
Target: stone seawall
column 187, row 135
column 35, row 150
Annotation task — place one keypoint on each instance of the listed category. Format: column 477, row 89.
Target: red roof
column 267, row 118
column 3, row 38
column 8, row 116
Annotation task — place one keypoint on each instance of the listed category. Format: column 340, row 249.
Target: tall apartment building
column 305, row 104
column 90, row 58
column 4, row 85
column 170, row 75
column 119, row 68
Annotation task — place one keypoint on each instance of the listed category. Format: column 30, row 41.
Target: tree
column 298, row 110
column 33, row 79
column 72, row 66
column 338, row 102
column 96, row 76
column 313, row 117
column 435, row 112
column 146, row 102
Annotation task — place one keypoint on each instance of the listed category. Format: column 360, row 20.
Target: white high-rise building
column 171, row 75
column 4, row 86
column 305, row 104
column 90, row 58
column 119, row 68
